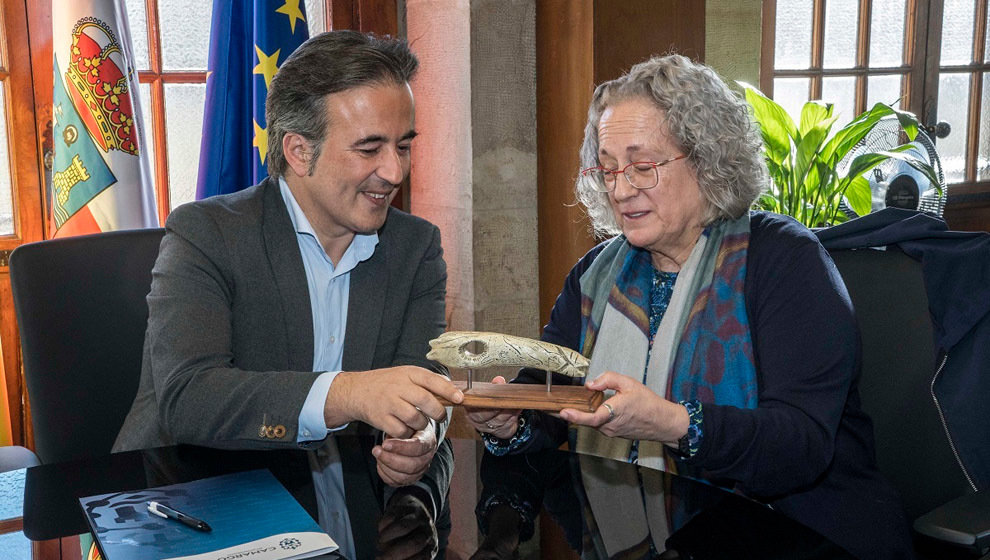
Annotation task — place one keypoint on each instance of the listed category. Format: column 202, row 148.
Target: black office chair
column 913, row 451
column 81, row 311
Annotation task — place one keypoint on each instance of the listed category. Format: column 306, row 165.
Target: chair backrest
column 888, row 294
column 81, row 311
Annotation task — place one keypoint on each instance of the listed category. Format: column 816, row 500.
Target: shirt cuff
column 312, row 421
column 690, row 444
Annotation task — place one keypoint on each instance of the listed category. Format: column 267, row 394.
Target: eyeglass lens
column 643, row 176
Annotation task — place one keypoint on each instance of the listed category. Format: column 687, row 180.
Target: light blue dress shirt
column 329, row 287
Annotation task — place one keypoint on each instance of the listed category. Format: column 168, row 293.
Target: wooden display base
column 528, row 396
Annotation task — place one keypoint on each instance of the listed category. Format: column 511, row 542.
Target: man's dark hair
column 328, row 63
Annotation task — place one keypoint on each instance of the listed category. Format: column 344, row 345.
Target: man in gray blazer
column 304, row 305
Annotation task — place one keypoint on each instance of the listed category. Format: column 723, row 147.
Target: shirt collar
column 360, row 249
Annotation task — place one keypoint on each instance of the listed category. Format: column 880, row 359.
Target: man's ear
column 298, row 154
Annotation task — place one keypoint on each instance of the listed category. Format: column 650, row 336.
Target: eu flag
column 249, row 40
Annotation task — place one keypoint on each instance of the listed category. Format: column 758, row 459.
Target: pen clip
column 153, row 508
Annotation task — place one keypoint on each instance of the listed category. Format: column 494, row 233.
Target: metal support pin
column 549, row 379
column 470, row 378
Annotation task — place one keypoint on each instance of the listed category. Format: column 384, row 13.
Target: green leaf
column 775, row 124
column 866, row 162
column 768, row 202
column 908, row 122
column 813, row 114
column 859, row 196
column 809, row 147
column 848, row 136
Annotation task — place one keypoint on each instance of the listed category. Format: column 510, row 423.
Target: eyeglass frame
column 656, row 165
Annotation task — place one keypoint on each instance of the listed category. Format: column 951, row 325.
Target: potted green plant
column 803, row 159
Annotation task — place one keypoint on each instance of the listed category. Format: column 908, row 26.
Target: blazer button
column 261, row 431
column 280, row 431
column 269, row 432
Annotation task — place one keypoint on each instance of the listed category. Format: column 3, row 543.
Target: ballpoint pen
column 163, row 510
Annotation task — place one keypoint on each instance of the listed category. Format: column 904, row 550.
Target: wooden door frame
column 25, row 28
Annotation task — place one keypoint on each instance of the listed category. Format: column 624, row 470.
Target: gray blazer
column 229, row 348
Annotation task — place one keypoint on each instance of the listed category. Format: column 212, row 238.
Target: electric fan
column 894, row 183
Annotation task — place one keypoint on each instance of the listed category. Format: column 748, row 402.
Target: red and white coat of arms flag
column 101, row 179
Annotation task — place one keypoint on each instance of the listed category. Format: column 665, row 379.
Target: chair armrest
column 964, row 521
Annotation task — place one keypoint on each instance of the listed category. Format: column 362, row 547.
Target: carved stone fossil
column 452, row 350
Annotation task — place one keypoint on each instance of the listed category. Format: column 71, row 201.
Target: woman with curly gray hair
column 724, row 336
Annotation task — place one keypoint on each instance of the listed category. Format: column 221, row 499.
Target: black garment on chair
column 923, row 308
column 81, row 311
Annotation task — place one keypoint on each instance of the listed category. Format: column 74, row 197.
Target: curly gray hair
column 711, row 123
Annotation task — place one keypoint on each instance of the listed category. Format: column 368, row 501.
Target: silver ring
column 611, row 412
column 490, row 426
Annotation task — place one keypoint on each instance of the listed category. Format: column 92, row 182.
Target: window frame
column 157, row 77
column 923, row 34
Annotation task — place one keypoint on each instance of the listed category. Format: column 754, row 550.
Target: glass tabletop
column 579, row 493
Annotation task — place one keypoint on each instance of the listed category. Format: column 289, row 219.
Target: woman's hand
column 636, row 411
column 501, row 423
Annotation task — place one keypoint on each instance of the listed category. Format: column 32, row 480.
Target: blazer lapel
column 290, row 278
column 366, row 304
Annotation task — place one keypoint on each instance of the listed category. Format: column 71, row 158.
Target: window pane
column 791, row 94
column 887, row 33
column 840, row 33
column 953, row 108
column 884, row 89
column 6, row 200
column 315, row 18
column 986, row 42
column 138, row 21
column 185, row 28
column 792, row 43
column 841, row 92
column 184, row 130
column 15, row 545
column 957, row 31
column 149, row 125
column 983, row 158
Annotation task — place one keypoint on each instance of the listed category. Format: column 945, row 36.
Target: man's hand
column 403, row 461
column 396, row 400
column 406, row 530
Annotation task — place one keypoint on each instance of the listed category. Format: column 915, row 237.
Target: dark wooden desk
column 53, row 518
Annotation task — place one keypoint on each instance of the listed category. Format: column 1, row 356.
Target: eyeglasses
column 641, row 175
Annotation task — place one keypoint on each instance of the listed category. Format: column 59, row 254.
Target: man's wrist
column 336, row 410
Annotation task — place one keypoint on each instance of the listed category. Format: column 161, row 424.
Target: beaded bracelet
column 690, row 443
column 498, row 447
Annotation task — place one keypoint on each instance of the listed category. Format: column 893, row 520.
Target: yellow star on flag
column 260, row 141
column 267, row 65
column 291, row 9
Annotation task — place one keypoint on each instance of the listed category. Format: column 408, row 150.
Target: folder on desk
column 251, row 515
